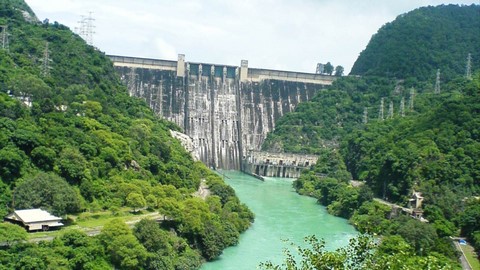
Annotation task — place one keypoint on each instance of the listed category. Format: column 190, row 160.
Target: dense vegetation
column 429, row 144
column 434, row 150
column 324, row 120
column 72, row 140
column 419, row 42
column 363, row 252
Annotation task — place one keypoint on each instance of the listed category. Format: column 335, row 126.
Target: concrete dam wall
column 226, row 110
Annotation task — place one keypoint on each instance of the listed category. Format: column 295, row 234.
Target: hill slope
column 419, row 42
column 72, row 140
column 432, row 147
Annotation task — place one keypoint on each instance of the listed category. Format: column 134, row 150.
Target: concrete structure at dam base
column 270, row 164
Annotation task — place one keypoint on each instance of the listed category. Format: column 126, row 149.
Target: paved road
column 463, row 259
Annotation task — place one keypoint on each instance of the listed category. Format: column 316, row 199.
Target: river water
column 280, row 214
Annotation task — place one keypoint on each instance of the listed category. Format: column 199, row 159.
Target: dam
column 226, row 110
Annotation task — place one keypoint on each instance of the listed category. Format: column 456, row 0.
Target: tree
column 11, row 162
column 421, row 236
column 126, row 252
column 84, row 252
column 328, row 68
column 361, row 253
column 152, row 237
column 5, row 199
column 10, row 233
column 470, row 220
column 49, row 191
column 339, row 71
column 72, row 165
column 121, row 245
column 151, row 201
column 169, row 207
column 136, row 200
column 43, row 157
column 357, row 255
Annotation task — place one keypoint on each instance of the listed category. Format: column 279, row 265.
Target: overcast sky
column 275, row 34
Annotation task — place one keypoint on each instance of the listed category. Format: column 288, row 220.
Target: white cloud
column 165, row 50
column 279, row 34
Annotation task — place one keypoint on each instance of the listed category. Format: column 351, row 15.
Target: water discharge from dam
column 280, row 214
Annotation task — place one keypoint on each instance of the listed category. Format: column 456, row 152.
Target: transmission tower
column 365, row 115
column 4, row 33
column 402, row 107
column 437, row 83
column 468, row 73
column 320, row 68
column 380, row 114
column 85, row 29
column 132, row 82
column 46, row 61
column 390, row 110
column 412, row 96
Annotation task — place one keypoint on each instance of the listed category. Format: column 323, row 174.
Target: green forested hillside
column 419, row 42
column 72, row 140
column 321, row 122
column 432, row 147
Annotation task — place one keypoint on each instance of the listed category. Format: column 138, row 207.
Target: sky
column 271, row 34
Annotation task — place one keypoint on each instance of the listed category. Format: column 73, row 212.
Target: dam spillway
column 226, row 110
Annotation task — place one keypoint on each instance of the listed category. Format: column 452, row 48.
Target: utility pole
column 437, row 83
column 4, row 37
column 468, row 73
column 365, row 115
column 46, row 61
column 402, row 107
column 380, row 114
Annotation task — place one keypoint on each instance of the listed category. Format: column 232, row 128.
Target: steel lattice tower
column 4, row 36
column 365, row 115
column 402, row 107
column 468, row 73
column 46, row 61
column 380, row 114
column 437, row 83
column 85, row 30
column 412, row 97
column 390, row 110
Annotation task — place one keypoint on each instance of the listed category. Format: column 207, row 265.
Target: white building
column 34, row 219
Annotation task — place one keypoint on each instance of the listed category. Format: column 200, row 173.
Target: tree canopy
column 72, row 139
column 421, row 41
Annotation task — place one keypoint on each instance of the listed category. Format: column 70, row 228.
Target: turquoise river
column 280, row 214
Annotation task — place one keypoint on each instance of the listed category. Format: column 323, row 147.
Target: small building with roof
column 34, row 219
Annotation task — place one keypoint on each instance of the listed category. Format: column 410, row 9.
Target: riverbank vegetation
column 396, row 130
column 72, row 140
